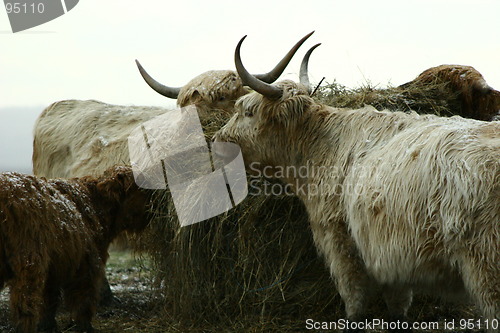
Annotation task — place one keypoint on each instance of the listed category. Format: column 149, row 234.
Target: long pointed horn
column 274, row 74
column 157, row 86
column 248, row 79
column 304, row 76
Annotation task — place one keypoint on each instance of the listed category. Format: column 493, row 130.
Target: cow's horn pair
column 270, row 77
column 263, row 87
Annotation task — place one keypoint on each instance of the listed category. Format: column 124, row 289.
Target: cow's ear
column 115, row 182
column 110, row 188
column 195, row 96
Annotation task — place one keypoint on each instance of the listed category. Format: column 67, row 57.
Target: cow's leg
column 51, row 300
column 398, row 300
column 106, row 297
column 83, row 292
column 346, row 268
column 481, row 276
column 26, row 292
column 82, row 306
column 3, row 271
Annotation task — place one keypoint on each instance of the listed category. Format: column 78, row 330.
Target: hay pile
column 258, row 259
column 435, row 98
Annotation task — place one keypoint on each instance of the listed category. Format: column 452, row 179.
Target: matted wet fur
column 477, row 99
column 54, row 236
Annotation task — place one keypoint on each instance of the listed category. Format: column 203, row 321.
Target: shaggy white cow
column 409, row 202
column 75, row 138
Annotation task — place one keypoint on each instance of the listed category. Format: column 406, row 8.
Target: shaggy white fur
column 75, row 138
column 409, row 202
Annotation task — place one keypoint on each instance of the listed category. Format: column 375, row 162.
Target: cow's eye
column 248, row 114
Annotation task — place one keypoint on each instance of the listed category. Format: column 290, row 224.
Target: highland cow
column 216, row 90
column 477, row 99
column 54, row 236
column 75, row 138
column 408, row 202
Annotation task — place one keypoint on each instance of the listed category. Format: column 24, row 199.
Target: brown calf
column 54, row 236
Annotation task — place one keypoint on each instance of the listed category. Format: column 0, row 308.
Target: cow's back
column 75, row 138
column 37, row 218
column 424, row 197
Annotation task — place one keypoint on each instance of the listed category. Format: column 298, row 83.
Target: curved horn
column 275, row 73
column 304, row 76
column 248, row 79
column 157, row 86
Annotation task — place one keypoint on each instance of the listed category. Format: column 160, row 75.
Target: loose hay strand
column 435, row 98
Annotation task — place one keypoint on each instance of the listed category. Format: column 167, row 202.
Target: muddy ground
column 130, row 280
column 138, row 308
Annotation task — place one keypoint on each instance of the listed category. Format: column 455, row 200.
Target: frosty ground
column 134, row 312
column 139, row 308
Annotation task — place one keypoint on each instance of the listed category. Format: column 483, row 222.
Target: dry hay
column 434, row 98
column 258, row 259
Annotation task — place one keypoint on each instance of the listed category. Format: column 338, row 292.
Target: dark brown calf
column 54, row 236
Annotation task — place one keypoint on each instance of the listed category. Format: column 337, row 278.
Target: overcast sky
column 89, row 52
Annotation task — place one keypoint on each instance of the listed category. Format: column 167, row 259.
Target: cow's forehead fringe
column 254, row 101
column 210, row 85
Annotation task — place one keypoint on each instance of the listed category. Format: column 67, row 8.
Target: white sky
column 89, row 52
